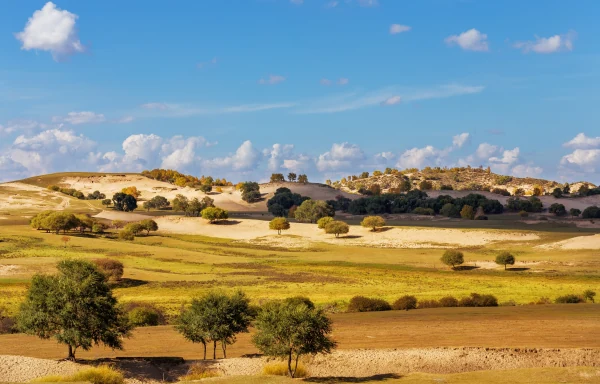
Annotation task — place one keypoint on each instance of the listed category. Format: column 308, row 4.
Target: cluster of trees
column 592, row 212
column 131, row 230
column 531, row 204
column 291, row 177
column 157, row 202
column 333, row 227
column 57, row 221
column 310, row 211
column 454, row 258
column 283, row 201
column 193, row 207
column 408, row 302
column 250, row 191
column 96, row 195
column 411, row 201
column 124, row 202
column 181, row 180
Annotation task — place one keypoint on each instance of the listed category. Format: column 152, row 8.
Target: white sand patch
column 6, row 270
column 125, row 216
column 257, row 231
column 579, row 242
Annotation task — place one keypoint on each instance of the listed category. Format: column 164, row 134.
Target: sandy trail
column 257, row 231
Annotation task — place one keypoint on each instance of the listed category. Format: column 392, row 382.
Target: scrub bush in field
column 366, row 304
column 405, row 303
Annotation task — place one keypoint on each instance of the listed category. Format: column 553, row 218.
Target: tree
column 505, row 258
column 124, row 202
column 588, row 294
column 75, row 306
column 277, row 178
column 558, row 209
column 592, row 212
column 135, row 228
column 148, row 204
column 250, row 191
column 160, row 202
column 405, row 185
column 112, row 269
column 303, row 179
column 375, row 189
column 117, row 224
column 291, row 177
column 452, row 258
column 126, row 235
column 214, row 214
column 180, row 203
column 107, row 202
column 323, row 221
column 557, row 193
column 279, row 224
column 574, row 212
column 59, row 221
column 215, row 317
column 537, row 190
column 206, row 188
column 312, row 210
column 425, row 185
column 291, row 330
column 373, row 222
column 133, row 191
column 567, row 189
column 337, row 228
column 467, row 212
column 149, row 225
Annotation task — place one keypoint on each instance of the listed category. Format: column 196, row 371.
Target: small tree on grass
column 214, row 214
column 323, row 221
column 289, row 330
column 505, row 258
column 76, row 307
column 149, row 225
column 588, row 294
column 452, row 258
column 107, row 202
column 574, row 212
column 279, row 224
column 118, row 224
column 126, row 235
column 112, row 269
column 467, row 212
column 337, row 228
column 373, row 222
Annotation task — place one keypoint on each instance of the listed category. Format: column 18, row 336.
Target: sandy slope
column 580, row 242
column 395, row 237
column 14, row 196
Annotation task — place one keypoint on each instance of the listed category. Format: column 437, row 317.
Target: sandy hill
column 39, row 196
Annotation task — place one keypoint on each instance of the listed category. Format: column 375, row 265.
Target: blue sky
column 329, row 88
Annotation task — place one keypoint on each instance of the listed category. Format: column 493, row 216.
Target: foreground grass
column 102, row 374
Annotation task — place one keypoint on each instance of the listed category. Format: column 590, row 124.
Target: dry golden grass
column 102, row 374
column 281, row 369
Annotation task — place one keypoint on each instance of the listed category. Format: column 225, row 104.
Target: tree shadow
column 342, row 379
column 518, row 269
column 465, row 267
column 349, row 237
column 227, row 222
column 129, row 283
column 383, row 229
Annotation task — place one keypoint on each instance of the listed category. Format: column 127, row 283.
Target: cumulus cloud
column 581, row 141
column 385, row 156
column 272, row 80
column 11, row 170
column 245, row 158
column 460, row 140
column 76, row 118
column 586, row 160
column 298, row 164
column 544, row 45
column 525, row 170
column 277, row 154
column 430, row 155
column 161, row 106
column 392, row 101
column 28, row 126
column 471, row 40
column 51, row 29
column 125, row 119
column 486, row 150
column 398, row 28
column 340, row 156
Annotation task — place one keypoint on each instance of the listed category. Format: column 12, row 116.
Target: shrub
column 337, row 228
column 467, row 212
column 429, row 304
column 323, row 221
column 589, row 295
column 366, row 304
column 126, row 235
column 214, row 214
column 425, row 185
column 198, row 372
column 7, row 324
column 592, row 212
column 505, row 258
column 98, row 228
column 452, row 258
column 569, row 299
column 297, row 300
column 279, row 224
column 448, row 301
column 503, row 180
column 449, row 210
column 144, row 314
column 523, row 214
column 477, row 300
column 405, row 303
column 112, row 269
column 558, row 209
column 543, row 301
column 445, row 187
column 102, row 374
column 423, row 211
column 501, row 191
column 281, row 369
column 373, row 222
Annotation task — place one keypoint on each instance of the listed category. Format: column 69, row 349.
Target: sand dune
column 580, row 242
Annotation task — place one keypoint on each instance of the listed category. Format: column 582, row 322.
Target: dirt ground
column 580, row 242
column 257, row 231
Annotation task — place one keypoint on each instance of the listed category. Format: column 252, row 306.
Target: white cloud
column 161, row 106
column 461, row 139
column 524, row 170
column 186, row 110
column 51, row 29
column 245, row 158
column 332, row 4
column 392, row 100
column 76, row 118
column 343, row 81
column 471, row 40
column 277, row 154
column 385, row 155
column 180, row 153
column 351, row 101
column 368, row 3
column 21, row 125
column 340, row 156
column 11, row 170
column 125, row 119
column 486, row 150
column 581, row 141
column 325, row 82
column 553, row 44
column 300, row 164
column 420, row 157
column 272, row 80
column 509, row 156
column 586, row 160
column 399, row 28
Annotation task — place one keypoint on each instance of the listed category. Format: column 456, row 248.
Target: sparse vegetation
column 452, row 258
column 103, row 374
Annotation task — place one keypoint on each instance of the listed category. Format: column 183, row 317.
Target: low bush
column 477, row 300
column 448, row 301
column 297, row 300
column 429, row 304
column 112, row 269
column 366, row 304
column 7, row 324
column 281, row 369
column 144, row 314
column 198, row 372
column 126, row 235
column 323, row 221
column 569, row 299
column 501, row 191
column 423, row 211
column 405, row 303
column 543, row 301
column 102, row 374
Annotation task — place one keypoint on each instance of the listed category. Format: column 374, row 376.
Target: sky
column 242, row 89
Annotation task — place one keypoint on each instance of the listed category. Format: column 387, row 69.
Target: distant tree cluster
column 531, row 204
column 310, row 211
column 124, row 202
column 57, row 221
column 283, row 200
column 181, row 180
column 592, row 212
column 96, row 195
column 157, row 202
column 250, row 191
column 191, row 207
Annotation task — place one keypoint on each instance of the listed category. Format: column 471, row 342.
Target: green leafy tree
column 588, row 294
column 214, row 214
column 277, row 178
column 467, row 212
column 180, row 203
column 60, row 221
column 292, row 177
column 206, row 188
column 323, row 221
column 149, row 225
column 312, row 210
column 250, row 191
column 160, row 202
column 135, row 228
column 337, row 228
column 124, row 202
column 107, row 202
column 148, row 205
column 557, row 193
column 290, row 330
column 425, row 185
column 373, row 222
column 76, row 307
column 452, row 258
column 558, row 209
column 303, row 179
column 279, row 224
column 505, row 259
column 575, row 212
column 126, row 235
